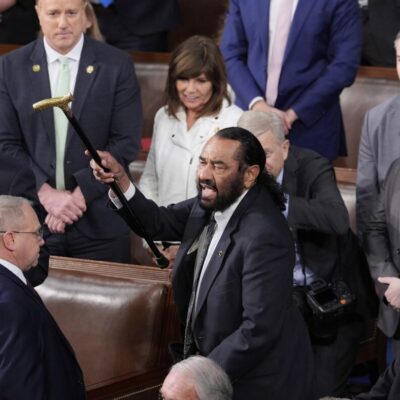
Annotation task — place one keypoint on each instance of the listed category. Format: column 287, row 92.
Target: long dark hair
column 250, row 153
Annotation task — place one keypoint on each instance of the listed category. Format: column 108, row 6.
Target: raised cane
column 62, row 102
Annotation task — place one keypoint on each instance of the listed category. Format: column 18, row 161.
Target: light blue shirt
column 299, row 277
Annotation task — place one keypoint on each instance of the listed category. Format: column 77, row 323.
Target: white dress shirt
column 54, row 65
column 13, row 269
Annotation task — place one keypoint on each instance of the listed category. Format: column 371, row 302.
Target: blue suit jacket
column 321, row 58
column 106, row 103
column 245, row 319
column 36, row 360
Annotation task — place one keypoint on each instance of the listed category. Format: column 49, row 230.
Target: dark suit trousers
column 334, row 362
column 73, row 243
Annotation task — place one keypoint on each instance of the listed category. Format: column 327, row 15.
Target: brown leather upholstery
column 118, row 318
column 371, row 87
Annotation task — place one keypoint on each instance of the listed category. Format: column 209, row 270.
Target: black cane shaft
column 161, row 259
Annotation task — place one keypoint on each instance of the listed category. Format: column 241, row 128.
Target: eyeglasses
column 38, row 232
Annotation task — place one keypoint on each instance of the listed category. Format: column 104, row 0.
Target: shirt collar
column 222, row 217
column 279, row 178
column 14, row 269
column 74, row 54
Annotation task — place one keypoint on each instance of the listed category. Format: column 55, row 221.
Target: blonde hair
column 94, row 30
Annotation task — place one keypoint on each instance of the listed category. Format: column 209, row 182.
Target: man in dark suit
column 137, row 25
column 107, row 104
column 379, row 147
column 36, row 360
column 234, row 295
column 318, row 219
column 387, row 387
column 382, row 238
column 320, row 58
column 17, row 179
column 381, row 22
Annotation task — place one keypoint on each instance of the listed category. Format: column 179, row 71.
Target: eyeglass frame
column 39, row 232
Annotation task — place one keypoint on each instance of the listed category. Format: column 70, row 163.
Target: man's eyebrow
column 218, row 162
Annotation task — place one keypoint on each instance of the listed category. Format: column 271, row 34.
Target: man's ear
column 8, row 241
column 285, row 149
column 251, row 175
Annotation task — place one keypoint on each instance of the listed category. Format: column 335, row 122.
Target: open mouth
column 207, row 190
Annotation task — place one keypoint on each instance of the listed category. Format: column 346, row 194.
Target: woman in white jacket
column 197, row 106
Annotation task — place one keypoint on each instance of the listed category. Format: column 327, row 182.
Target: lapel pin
column 220, row 253
column 90, row 69
column 36, row 68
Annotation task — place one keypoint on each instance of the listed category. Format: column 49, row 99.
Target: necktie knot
column 63, row 61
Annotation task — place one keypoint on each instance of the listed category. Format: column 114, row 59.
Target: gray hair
column 397, row 37
column 259, row 122
column 11, row 212
column 211, row 382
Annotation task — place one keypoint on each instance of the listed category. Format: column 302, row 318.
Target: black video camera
column 329, row 302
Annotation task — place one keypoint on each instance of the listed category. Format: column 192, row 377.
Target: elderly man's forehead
column 178, row 385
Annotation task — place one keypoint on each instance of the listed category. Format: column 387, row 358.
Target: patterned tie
column 278, row 49
column 61, row 122
column 204, row 243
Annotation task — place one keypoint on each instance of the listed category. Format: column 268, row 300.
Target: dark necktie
column 204, row 243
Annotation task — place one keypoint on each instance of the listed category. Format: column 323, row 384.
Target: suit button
column 68, row 162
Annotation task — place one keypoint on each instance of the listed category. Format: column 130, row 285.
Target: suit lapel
column 87, row 72
column 9, row 275
column 303, row 8
column 289, row 181
column 217, row 260
column 40, row 87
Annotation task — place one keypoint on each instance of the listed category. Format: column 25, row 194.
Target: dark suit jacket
column 36, row 360
column 19, row 24
column 320, row 222
column 17, row 179
column 387, row 387
column 144, row 17
column 381, row 24
column 382, row 244
column 245, row 319
column 321, row 58
column 107, row 105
